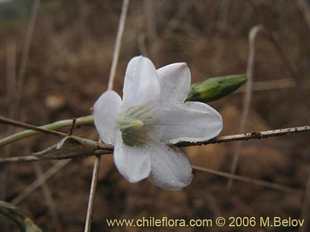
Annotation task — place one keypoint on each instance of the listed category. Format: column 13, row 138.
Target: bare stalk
column 86, row 150
column 16, row 93
column 247, row 180
column 285, row 83
column 247, row 97
column 60, row 165
column 92, row 193
column 26, row 48
column 16, row 123
column 43, row 177
column 120, row 32
column 150, row 13
column 11, row 99
column 39, row 181
column 118, row 43
column 249, row 89
column 229, row 138
column 85, row 120
column 304, row 7
column 65, row 136
column 48, row 197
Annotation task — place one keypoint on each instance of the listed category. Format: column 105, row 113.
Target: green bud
column 215, row 88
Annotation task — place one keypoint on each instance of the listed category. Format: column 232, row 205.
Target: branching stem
column 91, row 148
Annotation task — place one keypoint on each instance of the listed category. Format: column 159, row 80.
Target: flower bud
column 215, row 88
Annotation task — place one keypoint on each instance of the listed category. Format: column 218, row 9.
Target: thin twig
column 27, row 44
column 281, row 53
column 247, row 97
column 60, row 165
column 250, row 71
column 150, row 14
column 230, row 138
column 284, row 83
column 82, row 151
column 174, row 22
column 13, row 122
column 264, row 134
column 43, row 177
column 119, row 36
column 19, row 82
column 85, row 120
column 120, row 32
column 251, row 135
column 19, row 93
column 224, row 9
column 42, row 129
column 305, row 10
column 92, row 193
column 48, row 197
column 38, row 182
column 11, row 85
column 247, row 180
column 89, row 120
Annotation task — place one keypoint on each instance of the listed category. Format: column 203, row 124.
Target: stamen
column 134, row 124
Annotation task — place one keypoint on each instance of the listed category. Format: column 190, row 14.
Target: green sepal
column 215, row 88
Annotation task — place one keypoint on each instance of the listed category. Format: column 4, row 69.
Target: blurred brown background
column 68, row 67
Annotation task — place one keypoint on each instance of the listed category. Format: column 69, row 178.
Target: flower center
column 135, row 124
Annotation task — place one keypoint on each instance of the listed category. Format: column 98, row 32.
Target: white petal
column 171, row 169
column 141, row 84
column 192, row 121
column 134, row 163
column 175, row 82
column 105, row 112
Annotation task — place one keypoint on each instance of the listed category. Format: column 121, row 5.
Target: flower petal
column 175, row 83
column 134, row 163
column 191, row 121
column 105, row 112
column 141, row 84
column 171, row 169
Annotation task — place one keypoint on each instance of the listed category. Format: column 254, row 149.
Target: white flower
column 152, row 114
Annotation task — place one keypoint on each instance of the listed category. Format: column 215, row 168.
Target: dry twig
column 77, row 150
column 247, row 98
column 39, row 181
column 116, row 53
column 305, row 10
column 248, row 180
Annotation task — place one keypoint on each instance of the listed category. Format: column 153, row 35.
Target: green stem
column 85, row 120
column 209, row 90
